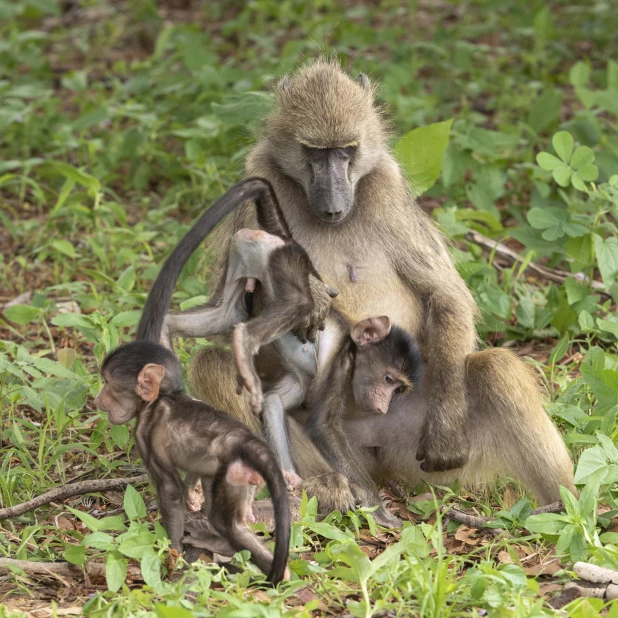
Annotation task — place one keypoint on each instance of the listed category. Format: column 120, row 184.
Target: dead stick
column 68, row 491
column 63, row 569
column 476, row 521
column 550, row 274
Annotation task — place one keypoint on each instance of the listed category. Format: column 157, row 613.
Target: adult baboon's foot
column 292, row 479
column 332, row 491
column 442, row 447
column 247, row 375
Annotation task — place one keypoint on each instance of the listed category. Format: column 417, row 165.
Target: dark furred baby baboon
column 175, row 432
column 324, row 150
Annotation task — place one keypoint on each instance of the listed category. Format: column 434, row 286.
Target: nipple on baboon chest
column 352, row 273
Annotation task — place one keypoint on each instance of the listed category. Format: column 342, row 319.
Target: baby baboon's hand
column 322, row 296
column 247, row 376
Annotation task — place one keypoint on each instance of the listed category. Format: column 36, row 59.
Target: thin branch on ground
column 68, row 491
column 549, row 274
column 62, row 569
column 476, row 521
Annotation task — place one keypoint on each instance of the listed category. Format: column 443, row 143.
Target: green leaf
column 547, row 161
column 546, row 523
column 115, row 570
column 126, row 318
column 609, row 447
column 582, row 156
column 134, row 505
column 75, row 554
column 120, row 435
column 45, row 6
column 606, row 251
column 579, row 75
column 151, row 570
column 563, row 145
column 168, row 611
column 73, row 319
column 545, row 110
column 420, row 153
column 22, row 314
column 562, row 175
column 99, row 540
column 78, row 176
column 64, row 247
column 609, row 325
column 586, row 321
column 559, row 351
column 543, row 218
column 91, row 522
column 328, row 531
column 126, row 281
column 588, row 173
column 138, row 545
column 592, row 465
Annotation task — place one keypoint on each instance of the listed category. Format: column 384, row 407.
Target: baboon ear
column 284, row 84
column 370, row 331
column 149, row 381
column 363, row 80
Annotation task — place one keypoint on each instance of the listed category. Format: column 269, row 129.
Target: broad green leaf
column 137, row 546
column 328, row 531
column 151, row 570
column 579, row 75
column 545, row 112
column 126, row 281
column 548, row 161
column 51, row 367
column 73, row 319
column 78, row 176
column 120, row 435
column 589, row 173
column 75, row 554
column 559, row 351
column 606, row 251
column 609, row 325
column 64, row 247
column 543, row 218
column 21, row 314
column 99, row 540
column 546, row 523
column 562, row 175
column 134, row 505
column 420, row 153
column 609, row 447
column 525, row 312
column 586, row 321
column 169, row 611
column 582, row 156
column 126, row 318
column 563, row 145
column 592, row 465
column 91, row 522
column 115, row 570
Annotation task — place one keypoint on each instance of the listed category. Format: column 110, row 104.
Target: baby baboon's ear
column 149, row 381
column 370, row 331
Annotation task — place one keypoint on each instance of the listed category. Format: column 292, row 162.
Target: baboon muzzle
column 330, row 193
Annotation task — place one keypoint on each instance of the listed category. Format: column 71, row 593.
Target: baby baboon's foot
column 332, row 491
column 385, row 518
column 292, row 479
column 247, row 376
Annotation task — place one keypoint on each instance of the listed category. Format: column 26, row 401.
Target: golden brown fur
column 402, row 269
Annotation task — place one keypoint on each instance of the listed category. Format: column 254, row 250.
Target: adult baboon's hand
column 443, row 446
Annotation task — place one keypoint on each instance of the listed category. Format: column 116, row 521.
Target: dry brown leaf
column 305, row 595
column 69, row 611
column 64, row 524
column 260, row 595
column 509, row 498
column 504, row 557
column 465, row 535
column 544, row 568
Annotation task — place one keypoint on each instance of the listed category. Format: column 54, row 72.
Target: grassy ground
column 120, row 121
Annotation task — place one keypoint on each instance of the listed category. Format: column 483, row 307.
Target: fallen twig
column 70, row 490
column 476, row 521
column 550, row 274
column 62, row 569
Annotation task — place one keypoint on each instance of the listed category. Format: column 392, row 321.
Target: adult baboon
column 347, row 203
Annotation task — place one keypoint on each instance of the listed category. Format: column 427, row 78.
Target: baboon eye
column 399, row 390
column 389, row 379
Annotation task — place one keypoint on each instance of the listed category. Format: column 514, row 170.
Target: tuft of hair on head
column 400, row 345
column 323, row 107
column 126, row 361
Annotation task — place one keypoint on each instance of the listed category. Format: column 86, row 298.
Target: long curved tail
column 270, row 218
column 265, row 463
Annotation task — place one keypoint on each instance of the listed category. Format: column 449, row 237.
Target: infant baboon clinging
column 324, row 150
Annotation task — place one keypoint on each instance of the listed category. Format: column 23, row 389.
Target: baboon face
column 119, row 402
column 330, row 187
